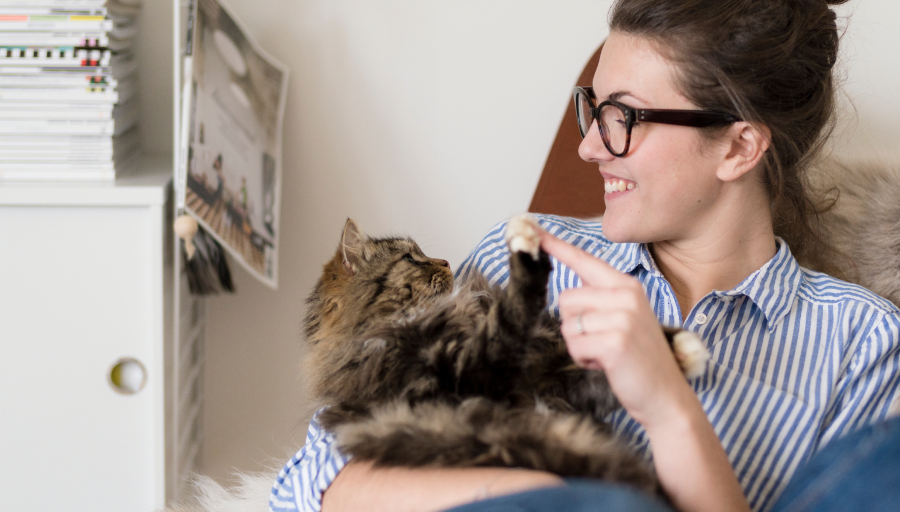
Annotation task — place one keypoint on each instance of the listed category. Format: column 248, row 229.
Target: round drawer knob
column 127, row 376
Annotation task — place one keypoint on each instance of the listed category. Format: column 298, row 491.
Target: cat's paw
column 522, row 235
column 691, row 353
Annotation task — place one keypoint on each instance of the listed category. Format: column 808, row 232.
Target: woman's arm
column 359, row 486
column 608, row 324
column 690, row 462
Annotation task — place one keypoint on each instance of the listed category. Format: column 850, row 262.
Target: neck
column 719, row 261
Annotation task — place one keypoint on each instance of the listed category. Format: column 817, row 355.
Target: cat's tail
column 479, row 432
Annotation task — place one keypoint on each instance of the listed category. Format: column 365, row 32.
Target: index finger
column 592, row 270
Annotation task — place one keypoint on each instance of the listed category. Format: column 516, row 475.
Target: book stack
column 68, row 89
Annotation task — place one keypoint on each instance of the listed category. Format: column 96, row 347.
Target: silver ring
column 579, row 326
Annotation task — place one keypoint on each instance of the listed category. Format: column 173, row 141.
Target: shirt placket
column 708, row 313
column 666, row 305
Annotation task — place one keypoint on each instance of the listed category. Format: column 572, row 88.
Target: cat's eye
column 408, row 258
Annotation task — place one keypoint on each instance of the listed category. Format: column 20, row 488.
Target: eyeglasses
column 615, row 120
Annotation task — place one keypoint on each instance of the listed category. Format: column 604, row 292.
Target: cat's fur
column 416, row 376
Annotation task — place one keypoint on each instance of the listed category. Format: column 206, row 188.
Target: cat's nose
column 443, row 263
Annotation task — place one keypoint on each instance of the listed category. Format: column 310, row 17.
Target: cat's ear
column 352, row 246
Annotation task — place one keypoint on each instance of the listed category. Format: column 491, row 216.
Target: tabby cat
column 417, row 373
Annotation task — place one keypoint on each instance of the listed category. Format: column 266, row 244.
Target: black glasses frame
column 692, row 118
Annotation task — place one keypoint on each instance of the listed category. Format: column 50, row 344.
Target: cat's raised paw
column 522, row 235
column 691, row 353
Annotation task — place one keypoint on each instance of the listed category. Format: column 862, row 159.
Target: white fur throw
column 865, row 223
column 251, row 494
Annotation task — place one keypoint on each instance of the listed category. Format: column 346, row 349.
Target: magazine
column 230, row 173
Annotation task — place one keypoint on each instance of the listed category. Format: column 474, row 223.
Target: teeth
column 617, row 186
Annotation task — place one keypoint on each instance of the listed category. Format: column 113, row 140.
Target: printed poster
column 231, row 139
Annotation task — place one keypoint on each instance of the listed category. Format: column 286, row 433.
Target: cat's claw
column 691, row 353
column 522, row 235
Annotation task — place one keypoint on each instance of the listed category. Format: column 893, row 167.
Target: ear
column 352, row 246
column 747, row 145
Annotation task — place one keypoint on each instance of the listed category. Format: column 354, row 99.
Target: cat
column 416, row 372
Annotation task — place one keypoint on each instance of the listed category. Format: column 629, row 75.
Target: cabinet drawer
column 77, row 293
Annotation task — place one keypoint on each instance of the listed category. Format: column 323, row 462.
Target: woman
column 706, row 217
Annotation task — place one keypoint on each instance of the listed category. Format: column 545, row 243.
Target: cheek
column 675, row 169
column 673, row 187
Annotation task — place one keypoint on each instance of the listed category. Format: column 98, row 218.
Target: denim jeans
column 576, row 496
column 859, row 472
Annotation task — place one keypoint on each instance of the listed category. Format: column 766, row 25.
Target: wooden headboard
column 569, row 185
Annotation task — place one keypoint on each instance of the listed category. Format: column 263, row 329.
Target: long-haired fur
column 865, row 221
column 416, row 376
column 250, row 494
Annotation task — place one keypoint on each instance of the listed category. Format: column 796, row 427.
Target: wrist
column 679, row 412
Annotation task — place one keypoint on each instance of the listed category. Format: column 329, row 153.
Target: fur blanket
column 250, row 494
column 864, row 225
column 865, row 222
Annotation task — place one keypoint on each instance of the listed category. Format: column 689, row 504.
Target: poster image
column 233, row 178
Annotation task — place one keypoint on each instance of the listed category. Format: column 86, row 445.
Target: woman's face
column 670, row 171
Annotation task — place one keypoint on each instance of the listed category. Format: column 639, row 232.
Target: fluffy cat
column 418, row 373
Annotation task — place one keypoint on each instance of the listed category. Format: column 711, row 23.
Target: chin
column 615, row 229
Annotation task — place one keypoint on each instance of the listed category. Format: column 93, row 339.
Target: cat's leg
column 525, row 297
column 690, row 351
column 499, row 356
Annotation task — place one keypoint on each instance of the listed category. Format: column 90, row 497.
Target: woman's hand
column 608, row 324
column 620, row 334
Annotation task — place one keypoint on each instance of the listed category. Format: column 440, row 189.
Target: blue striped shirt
column 798, row 359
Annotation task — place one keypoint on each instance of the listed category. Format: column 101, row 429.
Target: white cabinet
column 86, row 279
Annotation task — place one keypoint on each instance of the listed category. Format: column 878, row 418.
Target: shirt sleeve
column 300, row 485
column 871, row 382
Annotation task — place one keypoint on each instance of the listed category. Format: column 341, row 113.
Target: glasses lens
column 583, row 113
column 613, row 128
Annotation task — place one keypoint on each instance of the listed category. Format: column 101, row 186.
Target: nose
column 592, row 148
column 443, row 263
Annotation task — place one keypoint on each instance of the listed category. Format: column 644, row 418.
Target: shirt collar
column 626, row 257
column 772, row 288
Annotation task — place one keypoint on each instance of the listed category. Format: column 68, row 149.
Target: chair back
column 568, row 185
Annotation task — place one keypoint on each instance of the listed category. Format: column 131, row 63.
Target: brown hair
column 769, row 62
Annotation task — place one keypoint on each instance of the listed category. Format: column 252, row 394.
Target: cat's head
column 370, row 279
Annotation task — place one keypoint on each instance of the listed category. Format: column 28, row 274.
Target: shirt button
column 726, row 298
column 701, row 319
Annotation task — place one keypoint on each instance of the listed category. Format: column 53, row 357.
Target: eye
column 408, row 258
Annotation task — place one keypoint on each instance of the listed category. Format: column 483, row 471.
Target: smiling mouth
column 615, row 185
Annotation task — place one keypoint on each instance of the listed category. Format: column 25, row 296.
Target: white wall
column 870, row 64
column 431, row 119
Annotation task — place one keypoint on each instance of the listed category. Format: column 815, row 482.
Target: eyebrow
column 618, row 94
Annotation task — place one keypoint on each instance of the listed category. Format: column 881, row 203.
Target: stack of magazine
column 68, row 89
